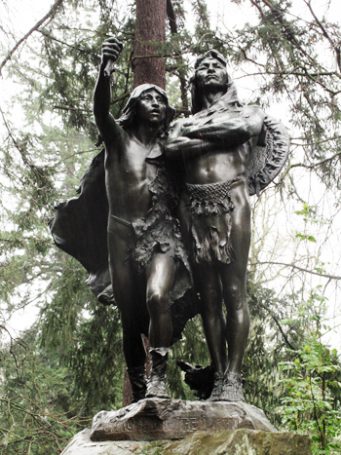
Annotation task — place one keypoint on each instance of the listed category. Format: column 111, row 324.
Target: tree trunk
column 148, row 60
column 180, row 72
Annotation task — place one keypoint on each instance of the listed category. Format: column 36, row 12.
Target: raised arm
column 102, row 95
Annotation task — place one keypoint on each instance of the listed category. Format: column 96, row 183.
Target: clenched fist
column 111, row 50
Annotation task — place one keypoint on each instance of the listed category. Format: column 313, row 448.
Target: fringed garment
column 210, row 210
column 159, row 232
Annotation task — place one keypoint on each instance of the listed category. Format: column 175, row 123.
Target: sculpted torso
column 128, row 175
column 209, row 147
column 217, row 166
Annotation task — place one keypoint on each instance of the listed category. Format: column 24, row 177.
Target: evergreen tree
column 69, row 365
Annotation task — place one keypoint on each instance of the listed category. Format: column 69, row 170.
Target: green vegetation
column 69, row 364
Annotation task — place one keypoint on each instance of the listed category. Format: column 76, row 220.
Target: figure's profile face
column 211, row 73
column 151, row 107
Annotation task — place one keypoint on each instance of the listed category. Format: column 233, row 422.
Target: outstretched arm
column 102, row 95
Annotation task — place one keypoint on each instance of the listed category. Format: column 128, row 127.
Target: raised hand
column 111, row 50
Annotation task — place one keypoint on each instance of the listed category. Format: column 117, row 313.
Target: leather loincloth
column 210, row 210
column 158, row 232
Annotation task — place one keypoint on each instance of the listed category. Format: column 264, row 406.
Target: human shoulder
column 175, row 127
column 111, row 131
column 116, row 141
column 176, row 124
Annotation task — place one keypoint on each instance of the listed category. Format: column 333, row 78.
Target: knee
column 157, row 301
column 235, row 296
column 211, row 304
column 209, row 295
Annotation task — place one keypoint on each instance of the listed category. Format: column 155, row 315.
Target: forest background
column 60, row 351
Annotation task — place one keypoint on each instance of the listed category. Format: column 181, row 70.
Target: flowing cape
column 79, row 227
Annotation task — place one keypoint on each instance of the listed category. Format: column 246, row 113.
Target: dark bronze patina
column 215, row 146
column 145, row 250
column 147, row 262
column 128, row 211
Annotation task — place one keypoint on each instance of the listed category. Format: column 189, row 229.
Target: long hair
column 230, row 91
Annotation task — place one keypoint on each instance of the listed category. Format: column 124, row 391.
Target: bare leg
column 209, row 287
column 237, row 326
column 160, row 280
column 128, row 285
column 130, row 302
column 233, row 278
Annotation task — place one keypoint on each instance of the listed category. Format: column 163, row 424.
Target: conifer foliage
column 68, row 365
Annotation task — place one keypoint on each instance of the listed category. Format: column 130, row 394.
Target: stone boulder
column 229, row 442
column 169, row 427
column 156, row 419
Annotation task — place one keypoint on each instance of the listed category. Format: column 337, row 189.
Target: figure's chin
column 214, row 84
column 157, row 120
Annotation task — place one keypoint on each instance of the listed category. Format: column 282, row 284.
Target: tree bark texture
column 148, row 61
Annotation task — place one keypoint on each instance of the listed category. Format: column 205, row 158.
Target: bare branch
column 296, row 267
column 319, row 163
column 48, row 16
column 335, row 47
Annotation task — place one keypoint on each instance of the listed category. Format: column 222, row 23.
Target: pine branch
column 48, row 16
column 280, row 328
column 335, row 47
column 64, row 43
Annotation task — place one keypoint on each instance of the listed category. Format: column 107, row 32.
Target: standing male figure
column 214, row 145
column 147, row 262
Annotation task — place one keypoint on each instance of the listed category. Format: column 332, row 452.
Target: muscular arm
column 232, row 130
column 183, row 145
column 228, row 131
column 179, row 144
column 105, row 122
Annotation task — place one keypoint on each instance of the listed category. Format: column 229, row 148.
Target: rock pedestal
column 167, row 427
column 156, row 419
column 234, row 442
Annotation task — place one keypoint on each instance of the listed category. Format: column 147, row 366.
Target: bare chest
column 217, row 165
column 131, row 163
column 128, row 176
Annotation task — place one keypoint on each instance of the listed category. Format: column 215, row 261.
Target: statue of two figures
column 168, row 204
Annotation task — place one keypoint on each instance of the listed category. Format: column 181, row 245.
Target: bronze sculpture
column 226, row 151
column 214, row 147
column 148, row 266
column 146, row 255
